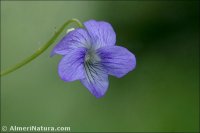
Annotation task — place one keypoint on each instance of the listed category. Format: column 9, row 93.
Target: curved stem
column 42, row 49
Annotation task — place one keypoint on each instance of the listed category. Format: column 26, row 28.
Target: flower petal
column 118, row 61
column 74, row 39
column 102, row 33
column 71, row 67
column 96, row 80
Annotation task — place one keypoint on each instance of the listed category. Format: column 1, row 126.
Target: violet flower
column 90, row 54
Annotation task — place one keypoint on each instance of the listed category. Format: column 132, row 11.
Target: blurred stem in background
column 42, row 49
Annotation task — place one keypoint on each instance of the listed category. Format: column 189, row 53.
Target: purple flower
column 90, row 54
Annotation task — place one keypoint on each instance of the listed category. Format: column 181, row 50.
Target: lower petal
column 96, row 80
column 117, row 60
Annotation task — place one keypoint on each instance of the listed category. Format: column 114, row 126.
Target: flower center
column 91, row 56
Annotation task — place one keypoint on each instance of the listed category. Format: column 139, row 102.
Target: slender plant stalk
column 42, row 49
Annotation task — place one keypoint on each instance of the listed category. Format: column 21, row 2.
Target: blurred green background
column 161, row 94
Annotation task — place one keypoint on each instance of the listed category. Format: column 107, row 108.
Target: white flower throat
column 91, row 56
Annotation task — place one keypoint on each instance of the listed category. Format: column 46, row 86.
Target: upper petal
column 74, row 39
column 102, row 33
column 71, row 67
column 117, row 60
column 96, row 79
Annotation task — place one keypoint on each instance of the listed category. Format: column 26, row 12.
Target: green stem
column 42, row 49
